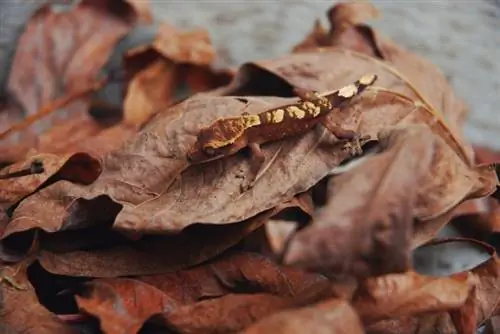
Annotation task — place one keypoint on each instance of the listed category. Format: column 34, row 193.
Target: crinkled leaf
column 334, row 316
column 454, row 311
column 20, row 310
column 365, row 227
column 159, row 71
column 122, row 305
column 138, row 175
column 60, row 54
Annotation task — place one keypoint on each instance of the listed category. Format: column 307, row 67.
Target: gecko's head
column 211, row 143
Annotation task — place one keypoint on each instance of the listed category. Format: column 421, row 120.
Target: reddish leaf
column 461, row 312
column 334, row 316
column 153, row 86
column 399, row 295
column 62, row 53
column 123, row 305
column 365, row 227
column 20, row 311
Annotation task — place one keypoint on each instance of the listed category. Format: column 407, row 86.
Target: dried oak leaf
column 365, row 227
column 333, row 316
column 148, row 175
column 160, row 68
column 348, row 31
column 235, row 272
column 20, row 310
column 191, row 246
column 59, row 55
column 452, row 310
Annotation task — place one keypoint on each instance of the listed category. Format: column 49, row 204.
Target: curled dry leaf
column 20, row 310
column 60, row 54
column 191, row 246
column 365, row 227
column 159, row 71
column 123, row 305
column 147, row 175
column 399, row 295
column 334, row 316
column 460, row 312
column 348, row 31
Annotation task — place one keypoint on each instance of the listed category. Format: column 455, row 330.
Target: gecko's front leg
column 352, row 138
column 257, row 160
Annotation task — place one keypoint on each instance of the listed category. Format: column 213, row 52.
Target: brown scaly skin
column 227, row 136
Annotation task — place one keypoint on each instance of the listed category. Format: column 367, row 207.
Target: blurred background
column 461, row 37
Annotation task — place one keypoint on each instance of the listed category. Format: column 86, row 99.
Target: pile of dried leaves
column 119, row 234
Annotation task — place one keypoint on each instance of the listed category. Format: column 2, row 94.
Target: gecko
column 227, row 136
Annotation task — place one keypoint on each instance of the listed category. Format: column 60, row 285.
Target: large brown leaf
column 365, row 227
column 60, row 54
column 139, row 174
column 348, row 31
column 334, row 316
column 20, row 310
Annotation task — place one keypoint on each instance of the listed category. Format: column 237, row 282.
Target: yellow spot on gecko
column 348, row 91
column 278, row 115
column 251, row 120
column 316, row 111
column 296, row 112
column 367, row 79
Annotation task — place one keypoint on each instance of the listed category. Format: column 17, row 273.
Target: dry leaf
column 334, row 316
column 138, row 175
column 365, row 227
column 79, row 168
column 461, row 311
column 161, row 67
column 123, row 305
column 400, row 295
column 60, row 54
column 20, row 310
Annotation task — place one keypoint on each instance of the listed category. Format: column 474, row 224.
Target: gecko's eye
column 209, row 151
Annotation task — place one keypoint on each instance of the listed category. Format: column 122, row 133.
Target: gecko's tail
column 345, row 94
